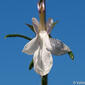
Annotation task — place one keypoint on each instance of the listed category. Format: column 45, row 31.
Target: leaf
column 18, row 35
column 30, row 26
column 31, row 65
column 71, row 55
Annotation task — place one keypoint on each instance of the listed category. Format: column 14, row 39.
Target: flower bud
column 41, row 7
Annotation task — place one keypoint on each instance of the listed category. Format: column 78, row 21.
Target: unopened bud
column 41, row 7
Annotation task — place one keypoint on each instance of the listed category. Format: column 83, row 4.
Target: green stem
column 44, row 80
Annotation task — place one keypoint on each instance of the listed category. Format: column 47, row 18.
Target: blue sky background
column 70, row 29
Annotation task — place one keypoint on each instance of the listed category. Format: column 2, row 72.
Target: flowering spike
column 42, row 46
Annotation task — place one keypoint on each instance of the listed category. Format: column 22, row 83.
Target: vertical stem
column 44, row 80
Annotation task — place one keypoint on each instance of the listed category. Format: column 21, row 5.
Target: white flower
column 39, row 47
column 42, row 46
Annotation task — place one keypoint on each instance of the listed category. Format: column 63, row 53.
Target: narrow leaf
column 17, row 35
column 31, row 65
column 30, row 26
column 71, row 55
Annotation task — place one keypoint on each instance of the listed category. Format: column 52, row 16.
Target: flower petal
column 58, row 47
column 44, row 40
column 35, row 25
column 31, row 46
column 42, row 61
column 49, row 25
